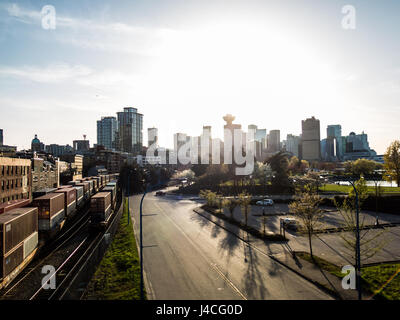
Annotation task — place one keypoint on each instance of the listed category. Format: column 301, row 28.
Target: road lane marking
column 213, row 265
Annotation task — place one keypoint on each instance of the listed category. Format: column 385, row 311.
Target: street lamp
column 358, row 255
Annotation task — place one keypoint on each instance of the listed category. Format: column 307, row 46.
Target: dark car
column 160, row 193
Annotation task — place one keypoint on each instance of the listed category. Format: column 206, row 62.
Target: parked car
column 160, row 193
column 265, row 202
column 290, row 223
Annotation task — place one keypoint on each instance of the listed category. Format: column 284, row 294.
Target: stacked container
column 100, row 207
column 79, row 195
column 18, row 237
column 85, row 186
column 42, row 192
column 51, row 211
column 112, row 190
column 13, row 204
column 69, row 200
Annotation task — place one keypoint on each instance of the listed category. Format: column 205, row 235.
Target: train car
column 51, row 213
column 13, row 204
column 100, row 209
column 18, row 241
column 113, row 191
column 79, row 195
column 85, row 186
column 42, row 192
column 97, row 183
column 69, row 200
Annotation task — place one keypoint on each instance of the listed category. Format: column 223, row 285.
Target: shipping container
column 30, row 244
column 69, row 200
column 50, row 210
column 11, row 261
column 112, row 190
column 100, row 207
column 79, row 195
column 13, row 204
column 64, row 187
column 72, row 183
column 43, row 192
column 15, row 226
column 85, row 186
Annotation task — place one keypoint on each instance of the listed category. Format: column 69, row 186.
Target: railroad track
column 64, row 273
column 78, row 244
column 58, row 243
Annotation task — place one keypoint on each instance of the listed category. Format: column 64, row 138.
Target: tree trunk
column 309, row 241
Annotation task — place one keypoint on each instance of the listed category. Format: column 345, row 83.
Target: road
column 188, row 257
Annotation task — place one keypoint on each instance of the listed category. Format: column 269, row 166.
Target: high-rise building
column 292, row 144
column 130, row 126
column 179, row 140
column 58, row 150
column 81, row 145
column 310, row 141
column 274, row 141
column 107, row 129
column 357, row 146
column 1, row 137
column 260, row 139
column 229, row 135
column 152, row 136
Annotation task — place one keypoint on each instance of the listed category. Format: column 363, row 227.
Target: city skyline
column 178, row 72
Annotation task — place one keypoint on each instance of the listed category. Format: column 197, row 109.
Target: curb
column 317, row 284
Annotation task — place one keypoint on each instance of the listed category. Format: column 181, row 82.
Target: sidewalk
column 281, row 252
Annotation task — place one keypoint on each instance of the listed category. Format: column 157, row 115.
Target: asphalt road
column 188, row 257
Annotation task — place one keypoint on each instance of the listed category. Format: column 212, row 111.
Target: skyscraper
column 332, row 149
column 274, row 141
column 152, row 136
column 130, row 126
column 1, row 137
column 107, row 129
column 292, row 144
column 311, row 145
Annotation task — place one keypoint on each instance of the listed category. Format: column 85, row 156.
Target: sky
column 186, row 63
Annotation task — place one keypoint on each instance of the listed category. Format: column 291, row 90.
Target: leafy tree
column 392, row 162
column 362, row 167
column 297, row 166
column 306, row 209
column 279, row 164
column 209, row 196
column 132, row 178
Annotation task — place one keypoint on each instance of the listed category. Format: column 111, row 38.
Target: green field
column 383, row 279
column 346, row 189
column 118, row 275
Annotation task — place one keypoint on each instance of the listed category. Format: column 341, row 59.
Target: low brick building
column 15, row 179
column 44, row 174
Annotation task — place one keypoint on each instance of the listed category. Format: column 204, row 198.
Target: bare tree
column 370, row 243
column 231, row 204
column 245, row 200
column 306, row 209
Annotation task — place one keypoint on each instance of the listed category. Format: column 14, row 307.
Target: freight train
column 25, row 224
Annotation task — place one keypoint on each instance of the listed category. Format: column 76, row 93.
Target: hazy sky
column 187, row 63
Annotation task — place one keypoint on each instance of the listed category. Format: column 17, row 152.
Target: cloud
column 105, row 36
column 50, row 74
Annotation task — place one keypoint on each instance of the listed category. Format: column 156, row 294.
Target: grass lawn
column 323, row 264
column 346, row 189
column 383, row 279
column 118, row 275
